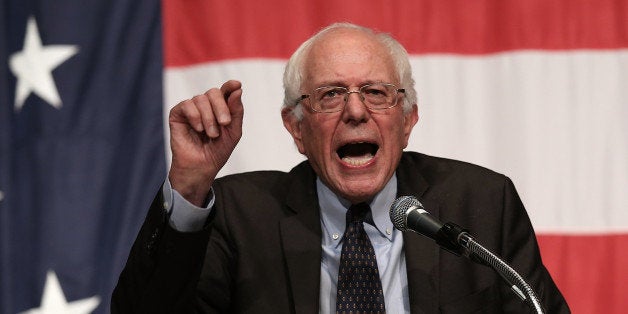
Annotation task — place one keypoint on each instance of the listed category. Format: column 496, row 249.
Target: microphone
column 407, row 213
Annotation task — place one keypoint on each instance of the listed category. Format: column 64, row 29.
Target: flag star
column 53, row 300
column 33, row 67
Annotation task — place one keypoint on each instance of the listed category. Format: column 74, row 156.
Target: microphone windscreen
column 399, row 208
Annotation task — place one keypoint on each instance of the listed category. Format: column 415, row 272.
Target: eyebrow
column 342, row 84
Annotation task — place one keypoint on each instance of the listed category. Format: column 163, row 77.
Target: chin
column 359, row 193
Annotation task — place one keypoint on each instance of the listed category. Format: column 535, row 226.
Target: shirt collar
column 334, row 210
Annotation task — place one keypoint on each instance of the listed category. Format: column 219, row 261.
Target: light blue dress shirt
column 387, row 241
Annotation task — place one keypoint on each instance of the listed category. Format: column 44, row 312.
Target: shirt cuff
column 185, row 216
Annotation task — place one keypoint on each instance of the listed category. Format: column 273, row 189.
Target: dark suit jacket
column 261, row 249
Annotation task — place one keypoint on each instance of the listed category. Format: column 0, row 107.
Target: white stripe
column 555, row 122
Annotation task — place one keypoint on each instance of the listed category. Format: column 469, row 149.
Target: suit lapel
column 300, row 233
column 422, row 254
column 301, row 240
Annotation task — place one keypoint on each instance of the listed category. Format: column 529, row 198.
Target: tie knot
column 357, row 212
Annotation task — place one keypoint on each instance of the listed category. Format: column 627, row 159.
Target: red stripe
column 591, row 271
column 206, row 30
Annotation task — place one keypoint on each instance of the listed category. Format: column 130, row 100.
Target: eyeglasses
column 376, row 96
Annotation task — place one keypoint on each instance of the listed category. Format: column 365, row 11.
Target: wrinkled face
column 355, row 151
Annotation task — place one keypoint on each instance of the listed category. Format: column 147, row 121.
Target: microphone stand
column 452, row 236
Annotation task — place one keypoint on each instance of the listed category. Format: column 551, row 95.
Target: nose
column 355, row 110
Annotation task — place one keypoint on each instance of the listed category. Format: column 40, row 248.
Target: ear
column 293, row 125
column 410, row 119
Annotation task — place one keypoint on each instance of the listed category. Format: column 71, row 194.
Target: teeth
column 358, row 160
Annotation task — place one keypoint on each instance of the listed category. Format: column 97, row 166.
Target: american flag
column 81, row 147
column 533, row 89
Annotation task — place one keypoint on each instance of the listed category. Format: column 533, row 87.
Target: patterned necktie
column 359, row 286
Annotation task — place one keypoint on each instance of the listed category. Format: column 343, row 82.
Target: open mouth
column 357, row 154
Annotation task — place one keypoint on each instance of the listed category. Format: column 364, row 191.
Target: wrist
column 193, row 187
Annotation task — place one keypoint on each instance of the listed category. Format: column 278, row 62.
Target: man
column 274, row 242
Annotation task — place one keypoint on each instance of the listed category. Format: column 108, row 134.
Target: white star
column 53, row 301
column 33, row 67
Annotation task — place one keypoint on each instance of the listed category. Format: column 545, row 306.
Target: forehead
column 348, row 57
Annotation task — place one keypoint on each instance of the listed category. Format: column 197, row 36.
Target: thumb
column 234, row 102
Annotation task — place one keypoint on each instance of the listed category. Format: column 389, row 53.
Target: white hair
column 293, row 74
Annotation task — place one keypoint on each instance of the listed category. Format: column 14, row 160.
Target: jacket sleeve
column 520, row 246
column 163, row 267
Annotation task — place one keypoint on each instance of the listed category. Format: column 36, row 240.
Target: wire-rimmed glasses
column 377, row 96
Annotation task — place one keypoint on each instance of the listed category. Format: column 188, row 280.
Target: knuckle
column 199, row 99
column 182, row 104
column 214, row 93
column 179, row 108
